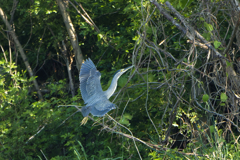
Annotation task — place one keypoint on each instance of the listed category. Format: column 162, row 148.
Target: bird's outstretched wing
column 90, row 85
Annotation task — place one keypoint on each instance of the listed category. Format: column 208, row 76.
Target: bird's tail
column 85, row 110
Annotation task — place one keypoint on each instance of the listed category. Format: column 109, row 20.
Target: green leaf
column 125, row 119
column 205, row 98
column 223, row 97
column 216, row 44
column 212, row 129
column 229, row 63
column 32, row 78
column 222, row 104
column 207, row 36
column 150, row 77
column 185, row 3
column 99, row 36
column 209, row 27
column 122, row 81
column 202, row 19
column 128, row 116
column 135, row 38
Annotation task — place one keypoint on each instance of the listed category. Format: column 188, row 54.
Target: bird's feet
column 84, row 121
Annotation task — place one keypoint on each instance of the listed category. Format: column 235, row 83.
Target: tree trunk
column 20, row 49
column 71, row 32
column 64, row 52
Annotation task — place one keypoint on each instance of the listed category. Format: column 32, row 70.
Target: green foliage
column 209, row 27
column 84, row 156
column 223, row 97
column 205, row 98
column 122, row 81
column 216, row 44
column 228, row 63
column 207, row 35
column 78, row 154
column 29, row 126
column 125, row 119
column 185, row 3
column 32, row 129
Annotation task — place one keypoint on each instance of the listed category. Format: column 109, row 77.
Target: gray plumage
column 95, row 98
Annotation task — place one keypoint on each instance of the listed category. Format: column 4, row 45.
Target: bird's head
column 121, row 71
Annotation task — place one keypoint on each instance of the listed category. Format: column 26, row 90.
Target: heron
column 96, row 100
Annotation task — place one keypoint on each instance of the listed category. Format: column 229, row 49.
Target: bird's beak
column 125, row 69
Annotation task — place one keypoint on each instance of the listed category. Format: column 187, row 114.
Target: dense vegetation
column 181, row 100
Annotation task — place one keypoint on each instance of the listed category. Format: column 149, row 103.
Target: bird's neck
column 109, row 92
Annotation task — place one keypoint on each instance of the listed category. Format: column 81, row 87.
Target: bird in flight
column 96, row 100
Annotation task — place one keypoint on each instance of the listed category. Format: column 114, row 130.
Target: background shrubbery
column 181, row 100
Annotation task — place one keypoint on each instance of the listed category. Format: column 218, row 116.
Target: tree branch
column 64, row 52
column 19, row 47
column 72, row 33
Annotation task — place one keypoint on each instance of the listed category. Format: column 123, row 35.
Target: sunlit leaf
column 212, row 129
column 205, row 98
column 209, row 27
column 216, row 44
column 223, row 97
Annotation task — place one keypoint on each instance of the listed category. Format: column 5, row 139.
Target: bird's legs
column 84, row 121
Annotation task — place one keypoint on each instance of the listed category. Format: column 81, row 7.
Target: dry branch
column 191, row 33
column 89, row 21
column 64, row 52
column 155, row 147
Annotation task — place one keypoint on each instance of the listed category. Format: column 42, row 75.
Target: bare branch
column 64, row 52
column 232, row 36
